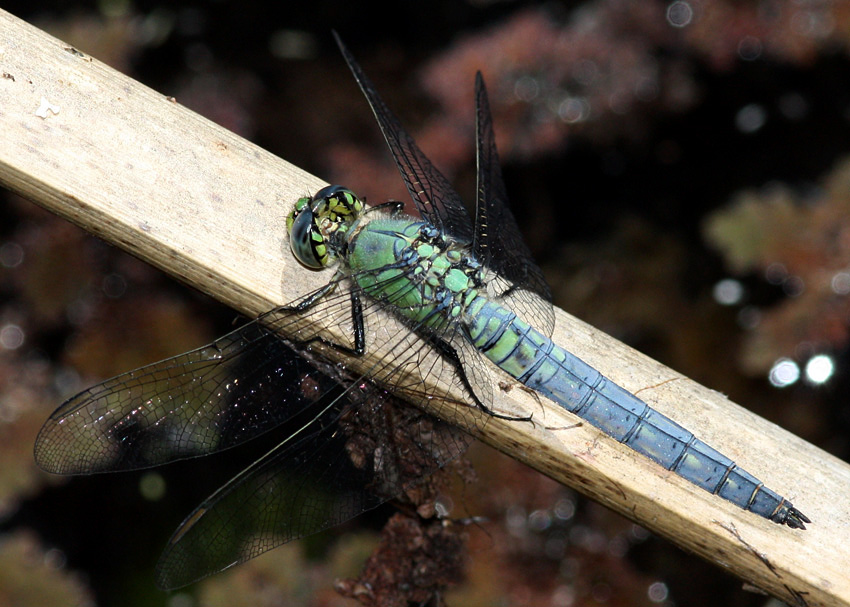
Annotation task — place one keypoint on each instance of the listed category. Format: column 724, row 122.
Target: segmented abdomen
column 540, row 364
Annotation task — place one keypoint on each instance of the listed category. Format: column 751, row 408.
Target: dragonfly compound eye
column 306, row 239
column 337, row 203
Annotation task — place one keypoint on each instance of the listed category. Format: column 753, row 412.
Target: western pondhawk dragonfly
column 437, row 297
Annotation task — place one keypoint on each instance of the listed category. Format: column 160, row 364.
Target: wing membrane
column 363, row 448
column 432, row 193
column 498, row 243
column 194, row 404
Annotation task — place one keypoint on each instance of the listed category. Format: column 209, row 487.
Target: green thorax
column 409, row 265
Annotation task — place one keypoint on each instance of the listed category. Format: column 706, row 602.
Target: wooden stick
column 142, row 172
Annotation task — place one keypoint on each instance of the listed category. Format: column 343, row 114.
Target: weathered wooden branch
column 144, row 173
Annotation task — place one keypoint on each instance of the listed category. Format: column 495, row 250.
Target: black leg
column 311, row 299
column 357, row 321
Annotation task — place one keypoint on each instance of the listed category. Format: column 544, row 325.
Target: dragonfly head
column 318, row 224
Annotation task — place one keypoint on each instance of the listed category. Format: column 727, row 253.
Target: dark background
column 646, row 163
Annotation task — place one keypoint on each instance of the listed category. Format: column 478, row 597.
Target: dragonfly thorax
column 318, row 224
column 409, row 264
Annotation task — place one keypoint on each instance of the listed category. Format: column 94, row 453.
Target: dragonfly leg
column 357, row 322
column 356, row 319
column 311, row 299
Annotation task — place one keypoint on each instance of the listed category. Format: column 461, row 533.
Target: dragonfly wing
column 498, row 243
column 194, row 404
column 362, row 448
column 223, row 394
column 432, row 193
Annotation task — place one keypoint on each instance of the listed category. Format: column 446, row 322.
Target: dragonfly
column 443, row 298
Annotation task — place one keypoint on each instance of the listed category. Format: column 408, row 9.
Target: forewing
column 194, row 404
column 432, row 193
column 498, row 243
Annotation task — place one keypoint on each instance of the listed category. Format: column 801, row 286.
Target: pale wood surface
column 150, row 176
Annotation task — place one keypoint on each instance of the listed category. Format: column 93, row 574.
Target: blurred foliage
column 623, row 126
column 285, row 576
column 32, row 575
column 799, row 242
column 25, row 399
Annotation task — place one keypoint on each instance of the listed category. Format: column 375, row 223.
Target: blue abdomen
column 537, row 362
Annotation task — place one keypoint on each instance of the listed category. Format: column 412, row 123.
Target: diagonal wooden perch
column 144, row 173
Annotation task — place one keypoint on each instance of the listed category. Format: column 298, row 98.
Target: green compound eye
column 306, row 240
column 335, row 209
column 340, row 203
